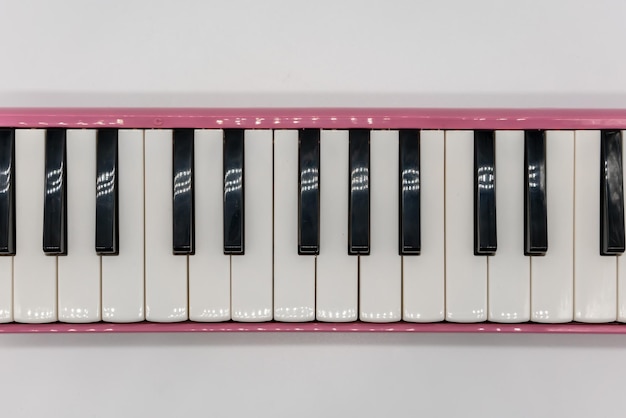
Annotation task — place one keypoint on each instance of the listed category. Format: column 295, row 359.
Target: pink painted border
column 311, row 118
column 442, row 327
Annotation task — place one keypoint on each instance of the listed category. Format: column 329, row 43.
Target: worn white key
column 466, row 274
column 595, row 276
column 6, row 289
column 423, row 278
column 509, row 269
column 209, row 268
column 251, row 274
column 621, row 267
column 380, row 278
column 166, row 274
column 123, row 275
column 337, row 272
column 294, row 275
column 35, row 278
column 79, row 270
column 552, row 275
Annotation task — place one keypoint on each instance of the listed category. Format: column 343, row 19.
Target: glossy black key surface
column 359, row 201
column 309, row 188
column 535, row 203
column 55, row 194
column 410, row 240
column 107, row 227
column 611, row 194
column 183, row 237
column 7, row 191
column 233, row 165
column 484, row 193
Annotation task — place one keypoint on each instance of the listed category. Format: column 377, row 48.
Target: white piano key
column 7, row 192
column 509, row 269
column 552, row 275
column 466, row 274
column 79, row 271
column 209, row 268
column 166, row 274
column 123, row 275
column 621, row 267
column 380, row 274
column 251, row 274
column 595, row 276
column 423, row 277
column 6, row 289
column 34, row 274
column 337, row 273
column 294, row 275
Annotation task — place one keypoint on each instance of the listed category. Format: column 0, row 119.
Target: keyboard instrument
column 312, row 220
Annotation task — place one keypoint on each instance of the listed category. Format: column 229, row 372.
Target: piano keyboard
column 309, row 219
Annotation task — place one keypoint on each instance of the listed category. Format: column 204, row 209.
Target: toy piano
column 412, row 220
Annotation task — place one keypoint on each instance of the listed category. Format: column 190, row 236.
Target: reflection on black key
column 55, row 194
column 107, row 238
column 535, row 203
column 409, row 192
column 7, row 191
column 484, row 193
column 182, row 193
column 359, row 202
column 309, row 188
column 234, row 191
column 611, row 194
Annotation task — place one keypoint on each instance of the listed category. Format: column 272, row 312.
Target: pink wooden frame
column 315, row 118
column 440, row 327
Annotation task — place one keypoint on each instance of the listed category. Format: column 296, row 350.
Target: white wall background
column 315, row 53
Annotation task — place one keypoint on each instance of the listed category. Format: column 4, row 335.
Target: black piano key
column 410, row 240
column 7, row 192
column 359, row 201
column 611, row 194
column 183, row 237
column 55, row 194
column 309, row 188
column 535, row 203
column 234, row 226
column 107, row 215
column 484, row 193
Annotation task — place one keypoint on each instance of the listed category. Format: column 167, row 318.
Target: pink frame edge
column 340, row 118
column 440, row 327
